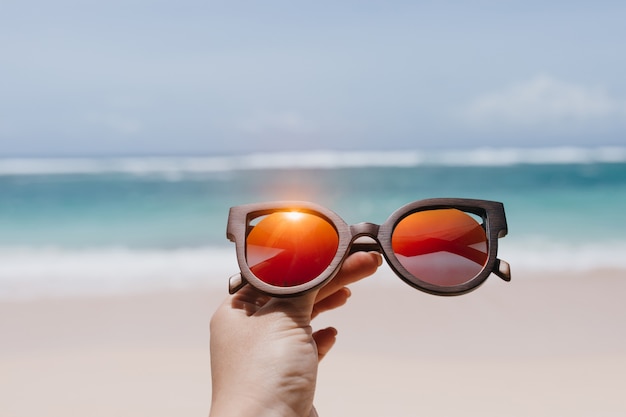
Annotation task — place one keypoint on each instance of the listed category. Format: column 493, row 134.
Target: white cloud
column 547, row 103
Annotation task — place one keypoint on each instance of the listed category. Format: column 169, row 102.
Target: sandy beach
column 543, row 345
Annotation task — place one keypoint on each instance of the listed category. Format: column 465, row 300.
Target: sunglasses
column 442, row 246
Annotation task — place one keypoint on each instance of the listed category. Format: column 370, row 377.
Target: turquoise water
column 559, row 214
column 553, row 202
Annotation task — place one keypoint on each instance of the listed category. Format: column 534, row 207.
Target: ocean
column 99, row 226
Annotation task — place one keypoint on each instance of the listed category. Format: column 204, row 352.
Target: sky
column 185, row 77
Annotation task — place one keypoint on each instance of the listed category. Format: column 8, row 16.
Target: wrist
column 246, row 407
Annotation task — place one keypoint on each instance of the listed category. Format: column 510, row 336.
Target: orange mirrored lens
column 444, row 247
column 290, row 248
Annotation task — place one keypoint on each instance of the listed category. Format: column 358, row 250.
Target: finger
column 334, row 300
column 357, row 266
column 324, row 339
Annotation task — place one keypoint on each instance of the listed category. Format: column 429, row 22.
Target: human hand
column 264, row 353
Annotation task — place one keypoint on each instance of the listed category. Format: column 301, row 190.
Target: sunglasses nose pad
column 502, row 269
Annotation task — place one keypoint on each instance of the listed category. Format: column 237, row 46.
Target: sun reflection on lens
column 290, row 247
column 294, row 216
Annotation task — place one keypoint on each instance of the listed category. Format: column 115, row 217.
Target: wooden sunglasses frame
column 378, row 239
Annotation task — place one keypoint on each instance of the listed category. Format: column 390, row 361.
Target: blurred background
column 128, row 128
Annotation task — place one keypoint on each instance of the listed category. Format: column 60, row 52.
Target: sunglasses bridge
column 364, row 238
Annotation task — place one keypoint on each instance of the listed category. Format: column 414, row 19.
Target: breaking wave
column 312, row 160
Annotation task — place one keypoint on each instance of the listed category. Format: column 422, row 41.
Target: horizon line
column 311, row 159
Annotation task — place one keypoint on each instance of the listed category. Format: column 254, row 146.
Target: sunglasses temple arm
column 235, row 283
column 502, row 269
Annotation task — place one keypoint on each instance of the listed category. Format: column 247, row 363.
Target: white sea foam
column 174, row 166
column 27, row 273
column 546, row 255
column 45, row 272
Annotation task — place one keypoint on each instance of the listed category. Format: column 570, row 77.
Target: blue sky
column 123, row 77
